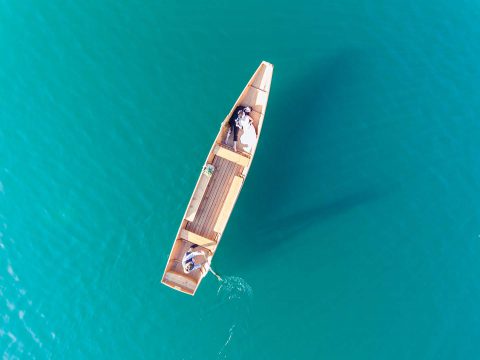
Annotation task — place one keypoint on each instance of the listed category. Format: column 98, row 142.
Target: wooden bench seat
column 180, row 280
column 198, row 240
column 197, row 197
column 228, row 204
column 231, row 156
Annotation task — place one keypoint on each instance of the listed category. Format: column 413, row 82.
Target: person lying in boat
column 188, row 261
column 233, row 123
column 244, row 119
column 238, row 113
column 249, row 136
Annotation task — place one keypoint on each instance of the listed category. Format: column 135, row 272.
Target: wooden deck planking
column 214, row 197
column 228, row 204
column 196, row 225
column 216, row 184
column 237, row 171
column 214, row 216
column 219, row 196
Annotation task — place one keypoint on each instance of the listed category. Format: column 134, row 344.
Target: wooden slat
column 198, row 239
column 215, row 197
column 181, row 280
column 197, row 197
column 231, row 156
column 236, row 170
column 228, row 204
column 209, row 202
column 219, row 197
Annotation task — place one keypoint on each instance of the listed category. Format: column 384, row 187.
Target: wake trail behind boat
column 234, row 287
column 235, row 296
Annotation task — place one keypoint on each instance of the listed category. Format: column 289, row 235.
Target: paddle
column 207, row 264
column 214, row 273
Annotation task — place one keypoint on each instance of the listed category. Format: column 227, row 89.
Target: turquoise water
column 357, row 234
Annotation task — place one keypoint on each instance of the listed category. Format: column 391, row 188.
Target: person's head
column 188, row 267
column 247, row 110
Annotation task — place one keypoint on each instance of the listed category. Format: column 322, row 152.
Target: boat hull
column 218, row 187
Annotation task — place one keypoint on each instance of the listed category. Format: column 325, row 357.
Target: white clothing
column 249, row 136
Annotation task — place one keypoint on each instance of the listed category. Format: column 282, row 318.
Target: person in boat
column 249, row 136
column 244, row 119
column 188, row 262
column 238, row 113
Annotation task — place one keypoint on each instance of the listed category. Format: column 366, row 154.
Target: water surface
column 356, row 234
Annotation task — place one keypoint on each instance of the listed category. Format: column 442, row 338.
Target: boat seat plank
column 228, row 204
column 231, row 156
column 198, row 240
column 197, row 197
column 181, row 280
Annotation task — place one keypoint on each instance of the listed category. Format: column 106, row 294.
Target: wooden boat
column 217, row 188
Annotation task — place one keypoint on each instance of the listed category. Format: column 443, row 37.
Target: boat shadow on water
column 296, row 166
column 285, row 227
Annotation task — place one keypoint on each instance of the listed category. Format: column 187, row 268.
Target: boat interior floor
column 215, row 195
